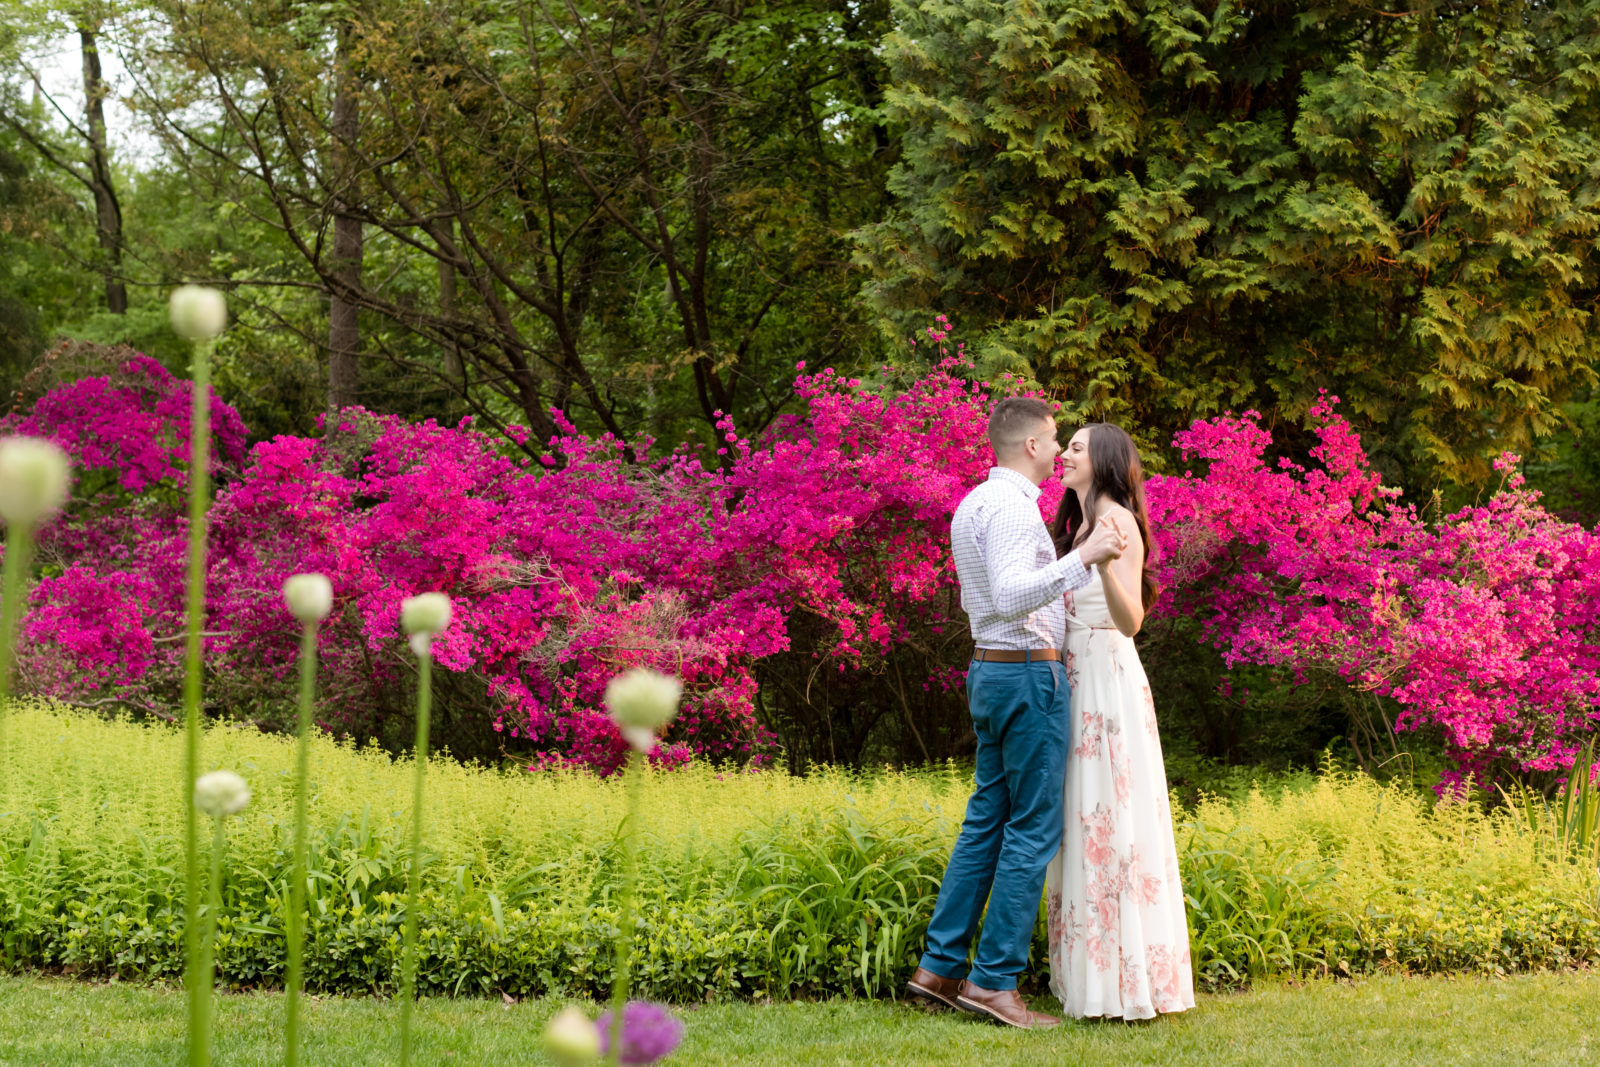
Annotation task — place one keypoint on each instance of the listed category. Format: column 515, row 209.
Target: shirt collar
column 1006, row 474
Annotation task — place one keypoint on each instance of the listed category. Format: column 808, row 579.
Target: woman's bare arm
column 1122, row 576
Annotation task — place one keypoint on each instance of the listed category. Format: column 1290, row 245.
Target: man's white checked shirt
column 1012, row 585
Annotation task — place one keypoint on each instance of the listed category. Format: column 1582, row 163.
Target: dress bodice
column 1086, row 606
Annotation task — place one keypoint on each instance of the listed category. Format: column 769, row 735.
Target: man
column 1012, row 588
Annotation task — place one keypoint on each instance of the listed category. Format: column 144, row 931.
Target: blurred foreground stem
column 19, row 550
column 408, row 959
column 294, row 926
column 625, row 917
column 199, row 496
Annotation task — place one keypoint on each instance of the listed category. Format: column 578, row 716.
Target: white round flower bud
column 421, row 644
column 571, row 1039
column 220, row 794
column 197, row 313
column 310, row 596
column 639, row 738
column 425, row 613
column 35, row 476
column 641, row 702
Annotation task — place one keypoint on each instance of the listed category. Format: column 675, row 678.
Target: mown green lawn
column 1533, row 1019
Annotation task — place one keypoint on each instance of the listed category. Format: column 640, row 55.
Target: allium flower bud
column 220, row 794
column 197, row 313
column 425, row 613
column 641, row 702
column 649, row 1032
column 310, row 596
column 35, row 476
column 571, row 1039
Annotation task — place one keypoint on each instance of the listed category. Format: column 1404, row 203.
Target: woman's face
column 1076, row 473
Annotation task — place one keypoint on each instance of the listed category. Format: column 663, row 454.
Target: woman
column 1119, row 944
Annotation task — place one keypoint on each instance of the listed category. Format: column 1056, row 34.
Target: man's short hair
column 1015, row 419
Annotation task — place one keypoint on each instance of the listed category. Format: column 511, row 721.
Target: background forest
column 645, row 216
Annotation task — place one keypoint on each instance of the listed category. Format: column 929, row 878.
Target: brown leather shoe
column 937, row 990
column 1003, row 1006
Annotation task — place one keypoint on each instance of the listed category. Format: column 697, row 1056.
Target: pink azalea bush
column 569, row 563
column 106, row 612
column 1481, row 626
column 565, row 567
column 132, row 426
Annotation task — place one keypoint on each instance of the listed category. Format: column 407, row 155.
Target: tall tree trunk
column 453, row 367
column 344, row 331
column 107, row 212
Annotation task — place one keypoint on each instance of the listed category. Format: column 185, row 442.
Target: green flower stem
column 625, row 917
column 297, row 868
column 19, row 551
column 208, row 940
column 199, row 498
column 408, row 958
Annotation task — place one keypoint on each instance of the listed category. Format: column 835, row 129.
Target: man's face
column 1042, row 447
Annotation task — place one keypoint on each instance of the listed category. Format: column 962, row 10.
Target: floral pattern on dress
column 1119, row 939
column 1167, row 977
column 1146, row 887
column 1090, row 736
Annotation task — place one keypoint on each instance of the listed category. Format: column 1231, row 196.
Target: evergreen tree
column 1160, row 209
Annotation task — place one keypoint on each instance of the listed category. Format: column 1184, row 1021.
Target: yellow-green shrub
column 1354, row 874
column 754, row 884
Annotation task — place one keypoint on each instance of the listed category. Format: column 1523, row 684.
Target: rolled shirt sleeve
column 1018, row 588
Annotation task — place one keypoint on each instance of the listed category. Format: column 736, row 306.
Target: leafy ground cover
column 755, row 885
column 1536, row 1018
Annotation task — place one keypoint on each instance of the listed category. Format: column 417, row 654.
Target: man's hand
column 1105, row 544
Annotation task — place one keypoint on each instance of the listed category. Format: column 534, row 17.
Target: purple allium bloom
column 649, row 1032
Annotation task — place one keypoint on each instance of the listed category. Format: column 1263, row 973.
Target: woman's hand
column 1104, row 544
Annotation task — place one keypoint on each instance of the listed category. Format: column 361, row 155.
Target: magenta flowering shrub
column 871, row 480
column 1481, row 626
column 95, row 626
column 823, row 543
column 132, row 425
column 105, row 615
column 558, row 577
column 562, row 573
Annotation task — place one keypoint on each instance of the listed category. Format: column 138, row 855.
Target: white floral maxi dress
column 1119, row 943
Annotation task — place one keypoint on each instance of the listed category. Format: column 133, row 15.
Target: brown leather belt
column 1015, row 655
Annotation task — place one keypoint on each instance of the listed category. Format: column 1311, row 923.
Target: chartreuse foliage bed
column 754, row 885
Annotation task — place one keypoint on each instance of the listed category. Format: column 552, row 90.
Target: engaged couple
column 1070, row 794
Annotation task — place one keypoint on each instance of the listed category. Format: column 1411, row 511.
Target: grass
column 1536, row 1018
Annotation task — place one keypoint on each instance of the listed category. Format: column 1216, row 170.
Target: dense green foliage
column 39, row 285
column 1156, row 209
column 637, row 217
column 1166, row 208
column 752, row 884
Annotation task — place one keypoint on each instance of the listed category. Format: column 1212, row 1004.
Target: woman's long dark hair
column 1117, row 476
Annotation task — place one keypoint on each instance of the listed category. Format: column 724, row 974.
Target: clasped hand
column 1105, row 544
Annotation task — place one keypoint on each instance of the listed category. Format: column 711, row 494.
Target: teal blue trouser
column 1013, row 824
